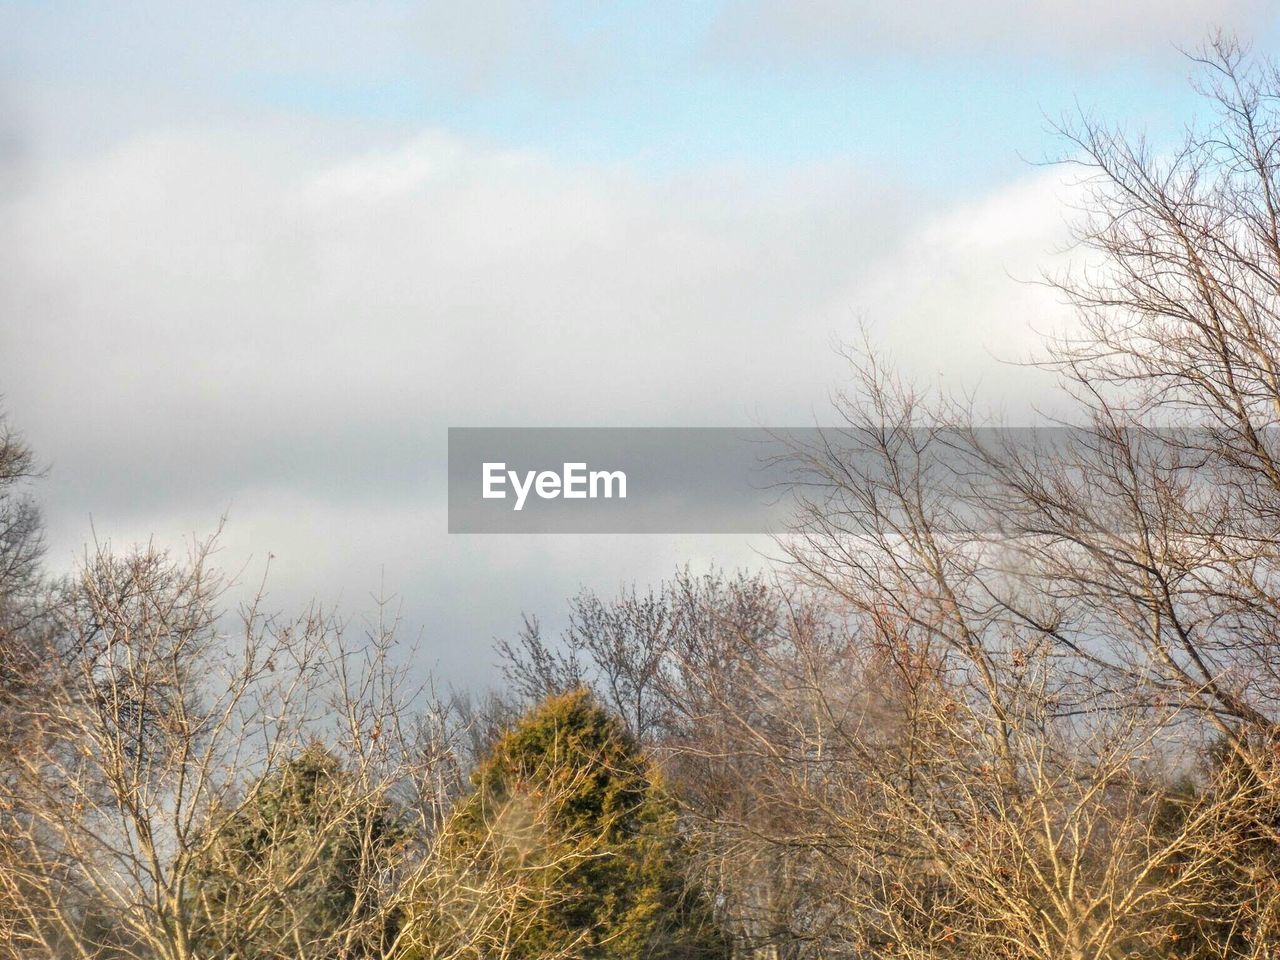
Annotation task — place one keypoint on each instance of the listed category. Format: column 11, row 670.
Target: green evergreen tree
column 568, row 790
column 293, row 873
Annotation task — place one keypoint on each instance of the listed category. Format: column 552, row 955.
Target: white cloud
column 239, row 294
column 196, row 322
column 959, row 297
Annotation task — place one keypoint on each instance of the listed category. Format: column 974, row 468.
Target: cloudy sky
column 255, row 258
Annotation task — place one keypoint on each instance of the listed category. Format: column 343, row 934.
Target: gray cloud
column 478, row 44
column 1085, row 32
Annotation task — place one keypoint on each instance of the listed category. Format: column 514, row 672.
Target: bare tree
column 165, row 732
column 28, row 654
column 23, row 636
column 635, row 650
column 1126, row 562
column 1175, row 360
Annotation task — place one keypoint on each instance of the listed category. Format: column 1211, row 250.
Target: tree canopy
column 301, row 853
column 567, row 796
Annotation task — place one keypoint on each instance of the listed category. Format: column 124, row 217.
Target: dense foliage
column 299, row 853
column 568, row 794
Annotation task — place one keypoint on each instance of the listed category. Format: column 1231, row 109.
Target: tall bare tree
column 162, row 736
column 1127, row 562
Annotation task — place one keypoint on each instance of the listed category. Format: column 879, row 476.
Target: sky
column 256, row 258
